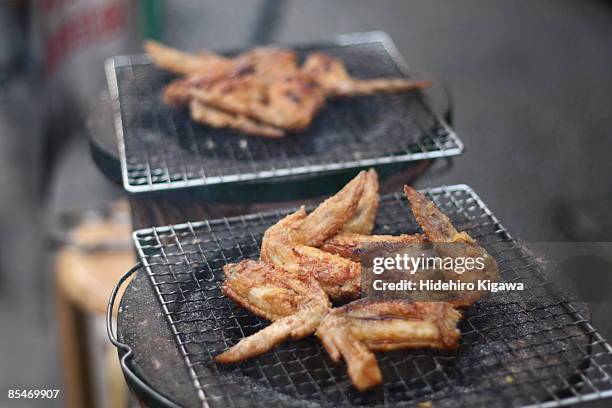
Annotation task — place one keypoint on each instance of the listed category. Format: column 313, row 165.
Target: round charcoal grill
column 519, row 349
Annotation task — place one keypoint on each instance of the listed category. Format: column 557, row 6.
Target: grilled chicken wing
column 292, row 282
column 331, row 215
column 291, row 243
column 292, row 102
column 347, row 244
column 264, row 87
column 263, row 84
column 434, row 223
column 330, row 73
column 312, row 229
column 281, row 245
column 295, row 304
column 439, row 229
column 362, row 222
column 352, row 331
column 265, row 64
column 397, row 324
column 280, row 239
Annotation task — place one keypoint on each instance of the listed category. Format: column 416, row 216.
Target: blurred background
column 531, row 94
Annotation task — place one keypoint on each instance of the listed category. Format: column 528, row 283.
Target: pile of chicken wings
column 307, row 261
column 263, row 91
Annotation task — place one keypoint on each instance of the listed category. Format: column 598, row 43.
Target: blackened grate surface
column 162, row 148
column 530, row 348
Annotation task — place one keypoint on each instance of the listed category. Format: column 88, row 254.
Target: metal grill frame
column 600, row 361
column 452, row 145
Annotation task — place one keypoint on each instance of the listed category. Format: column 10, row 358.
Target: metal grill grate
column 530, row 348
column 162, row 148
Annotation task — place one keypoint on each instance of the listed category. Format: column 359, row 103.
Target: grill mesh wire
column 163, row 148
column 520, row 349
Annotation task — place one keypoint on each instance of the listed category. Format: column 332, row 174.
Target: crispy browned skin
column 362, row 222
column 330, row 73
column 350, row 332
column 291, row 243
column 265, row 62
column 347, row 244
column 271, row 63
column 295, row 303
column 312, row 229
column 295, row 326
column 396, row 324
column 434, row 223
column 290, row 102
column 280, row 239
column 331, row 215
column 267, row 290
column 217, row 118
column 234, row 94
column 263, row 84
column 340, row 278
column 439, row 229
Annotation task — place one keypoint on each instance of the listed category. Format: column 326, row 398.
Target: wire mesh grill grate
column 530, row 348
column 162, row 148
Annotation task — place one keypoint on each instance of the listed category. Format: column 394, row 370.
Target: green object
column 290, row 188
column 151, row 18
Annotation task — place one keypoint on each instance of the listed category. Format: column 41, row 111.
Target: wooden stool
column 86, row 271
